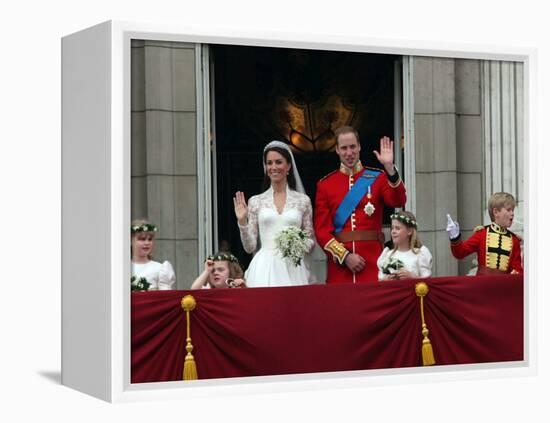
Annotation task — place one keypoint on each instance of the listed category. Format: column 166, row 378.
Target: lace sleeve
column 425, row 262
column 307, row 223
column 249, row 232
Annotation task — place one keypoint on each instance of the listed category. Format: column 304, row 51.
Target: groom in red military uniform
column 349, row 207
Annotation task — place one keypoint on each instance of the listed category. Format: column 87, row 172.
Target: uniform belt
column 365, row 235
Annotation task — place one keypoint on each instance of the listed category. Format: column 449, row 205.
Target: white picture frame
column 96, row 161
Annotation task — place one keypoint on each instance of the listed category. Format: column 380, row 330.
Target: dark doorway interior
column 297, row 96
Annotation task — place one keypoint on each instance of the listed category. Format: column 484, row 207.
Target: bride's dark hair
column 290, row 177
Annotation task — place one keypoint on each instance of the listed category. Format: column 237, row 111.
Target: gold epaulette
column 515, row 235
column 337, row 249
column 478, row 228
column 327, row 175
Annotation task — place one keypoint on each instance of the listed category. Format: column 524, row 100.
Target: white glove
column 453, row 229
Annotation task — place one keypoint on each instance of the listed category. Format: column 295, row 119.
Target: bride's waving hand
column 241, row 209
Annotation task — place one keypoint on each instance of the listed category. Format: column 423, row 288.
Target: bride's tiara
column 279, row 144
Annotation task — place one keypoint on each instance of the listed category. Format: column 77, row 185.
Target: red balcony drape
column 324, row 328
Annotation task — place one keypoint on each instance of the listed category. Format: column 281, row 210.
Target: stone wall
column 435, row 155
column 468, row 118
column 164, row 150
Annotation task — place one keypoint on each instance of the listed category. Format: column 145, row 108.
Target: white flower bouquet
column 392, row 266
column 291, row 242
column 139, row 284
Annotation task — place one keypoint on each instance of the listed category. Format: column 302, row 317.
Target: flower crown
column 144, row 227
column 405, row 219
column 224, row 257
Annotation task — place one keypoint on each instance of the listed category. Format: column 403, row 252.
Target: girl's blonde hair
column 142, row 223
column 409, row 220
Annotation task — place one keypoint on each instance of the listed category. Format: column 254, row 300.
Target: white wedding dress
column 268, row 267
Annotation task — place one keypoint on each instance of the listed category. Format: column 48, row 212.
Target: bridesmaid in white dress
column 283, row 204
column 415, row 260
column 160, row 276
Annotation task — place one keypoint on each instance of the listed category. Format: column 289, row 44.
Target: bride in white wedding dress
column 282, row 205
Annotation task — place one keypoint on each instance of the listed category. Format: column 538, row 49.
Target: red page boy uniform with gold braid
column 360, row 232
column 498, row 249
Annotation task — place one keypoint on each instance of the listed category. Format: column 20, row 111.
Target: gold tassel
column 428, row 357
column 188, row 303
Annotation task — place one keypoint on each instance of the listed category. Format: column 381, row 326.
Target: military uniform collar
column 498, row 229
column 351, row 171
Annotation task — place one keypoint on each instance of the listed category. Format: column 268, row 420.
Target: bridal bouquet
column 392, row 266
column 139, row 284
column 291, row 242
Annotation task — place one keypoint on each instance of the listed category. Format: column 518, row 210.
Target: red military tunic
column 497, row 248
column 331, row 190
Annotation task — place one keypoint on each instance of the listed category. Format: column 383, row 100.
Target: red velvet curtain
column 324, row 328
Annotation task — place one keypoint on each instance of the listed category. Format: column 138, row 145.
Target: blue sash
column 352, row 198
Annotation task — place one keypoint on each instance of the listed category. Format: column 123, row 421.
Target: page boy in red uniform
column 349, row 207
column 498, row 249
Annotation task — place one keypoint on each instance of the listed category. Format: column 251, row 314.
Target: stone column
column 469, row 135
column 435, row 155
column 502, row 99
column 164, row 140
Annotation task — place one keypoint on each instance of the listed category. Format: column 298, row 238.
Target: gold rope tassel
column 188, row 303
column 428, row 358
